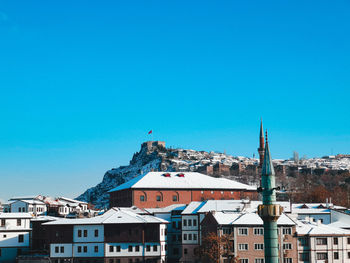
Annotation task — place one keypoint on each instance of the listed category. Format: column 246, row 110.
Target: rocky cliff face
column 155, row 156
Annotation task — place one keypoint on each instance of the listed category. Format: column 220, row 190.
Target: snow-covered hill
column 156, row 158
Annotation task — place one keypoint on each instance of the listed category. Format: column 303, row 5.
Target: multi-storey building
column 246, row 232
column 160, row 189
column 118, row 236
column 322, row 243
column 14, row 235
column 174, row 229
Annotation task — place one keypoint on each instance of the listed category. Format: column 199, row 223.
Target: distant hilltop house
column 160, row 189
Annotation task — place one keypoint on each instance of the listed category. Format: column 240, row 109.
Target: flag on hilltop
column 150, row 132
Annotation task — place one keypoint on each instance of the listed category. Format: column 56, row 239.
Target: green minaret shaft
column 269, row 211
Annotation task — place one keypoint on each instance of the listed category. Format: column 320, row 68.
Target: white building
column 14, row 235
column 118, row 236
column 322, row 243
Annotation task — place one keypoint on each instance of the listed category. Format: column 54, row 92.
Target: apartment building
column 14, row 235
column 117, row 236
column 322, row 243
column 246, row 232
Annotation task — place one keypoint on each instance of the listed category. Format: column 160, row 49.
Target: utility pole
column 269, row 211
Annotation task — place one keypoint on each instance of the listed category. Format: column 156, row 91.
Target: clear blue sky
column 82, row 82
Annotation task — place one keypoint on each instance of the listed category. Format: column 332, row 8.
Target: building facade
column 115, row 237
column 14, row 235
column 161, row 189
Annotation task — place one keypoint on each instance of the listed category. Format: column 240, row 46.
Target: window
column 259, row 260
column 148, row 248
column 242, row 246
column 175, row 198
column 242, row 231
column 158, row 198
column 79, row 249
column 321, row 241
column 194, row 236
column 130, row 260
column 130, row 249
column 96, row 249
column 96, row 232
column 287, row 260
column 19, row 222
column 85, row 249
column 4, row 236
column 189, row 236
column 185, row 236
column 348, row 240
column 155, row 247
column 189, row 222
column 194, row 222
column 85, row 233
column 287, row 246
column 244, row 260
column 111, row 248
column 348, row 254
column 303, row 241
column 79, row 233
column 336, row 255
column 137, row 248
column 142, row 198
column 226, row 231
column 259, row 231
column 62, row 249
column 321, row 256
column 20, row 238
column 185, row 251
column 287, row 231
column 259, row 246
column 304, row 256
column 174, row 224
column 118, row 248
column 173, row 238
column 111, row 260
column 185, row 222
column 3, row 222
column 57, row 249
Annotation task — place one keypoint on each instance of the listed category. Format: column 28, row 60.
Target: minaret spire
column 261, row 145
column 269, row 211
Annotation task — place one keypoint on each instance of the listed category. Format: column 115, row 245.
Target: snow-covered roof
column 224, row 218
column 112, row 216
column 15, row 215
column 193, row 207
column 185, row 180
column 45, row 218
column 69, row 200
column 166, row 209
column 305, row 227
column 25, row 197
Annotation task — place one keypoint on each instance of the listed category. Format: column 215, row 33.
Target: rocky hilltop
column 154, row 156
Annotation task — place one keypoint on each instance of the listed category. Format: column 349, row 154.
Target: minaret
column 261, row 145
column 269, row 211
